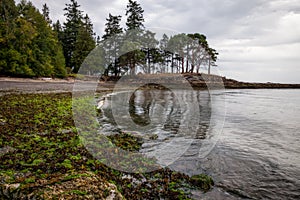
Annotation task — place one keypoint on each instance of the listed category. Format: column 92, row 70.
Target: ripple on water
column 258, row 154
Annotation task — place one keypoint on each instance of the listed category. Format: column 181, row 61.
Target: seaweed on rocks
column 42, row 156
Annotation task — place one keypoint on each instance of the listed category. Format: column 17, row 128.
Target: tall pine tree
column 57, row 28
column 135, row 16
column 85, row 43
column 46, row 13
column 78, row 36
column 166, row 55
column 152, row 54
column 112, row 43
column 71, row 31
column 133, row 38
column 113, row 27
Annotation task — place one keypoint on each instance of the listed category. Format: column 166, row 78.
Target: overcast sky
column 258, row 40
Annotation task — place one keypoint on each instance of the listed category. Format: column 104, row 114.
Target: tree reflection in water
column 161, row 109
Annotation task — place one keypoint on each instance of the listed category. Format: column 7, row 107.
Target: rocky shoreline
column 233, row 84
column 42, row 156
column 200, row 81
column 23, row 173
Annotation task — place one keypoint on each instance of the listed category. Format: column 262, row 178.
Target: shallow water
column 247, row 140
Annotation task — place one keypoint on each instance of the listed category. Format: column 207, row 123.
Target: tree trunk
column 192, row 69
column 209, row 67
column 187, row 65
column 172, row 64
column 149, row 61
column 182, row 64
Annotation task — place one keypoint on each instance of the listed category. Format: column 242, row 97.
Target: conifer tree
column 112, row 43
column 135, row 16
column 149, row 44
column 46, row 14
column 71, row 31
column 85, row 43
column 134, row 36
column 57, row 28
column 113, row 27
column 8, row 15
column 98, row 40
column 165, row 54
column 32, row 48
column 45, row 55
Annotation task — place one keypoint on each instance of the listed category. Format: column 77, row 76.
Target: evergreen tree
column 71, row 31
column 16, row 39
column 133, row 38
column 57, row 28
column 113, row 27
column 8, row 15
column 135, row 19
column 46, row 13
column 98, row 40
column 85, row 43
column 163, row 43
column 58, row 31
column 152, row 54
column 94, row 64
column 28, row 46
column 112, row 43
column 166, row 55
column 45, row 57
column 203, row 54
column 177, row 45
column 135, row 16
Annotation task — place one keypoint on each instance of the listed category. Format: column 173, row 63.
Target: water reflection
column 139, row 107
column 257, row 156
column 161, row 112
column 168, row 121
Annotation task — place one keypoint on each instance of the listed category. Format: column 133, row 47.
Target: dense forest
column 34, row 46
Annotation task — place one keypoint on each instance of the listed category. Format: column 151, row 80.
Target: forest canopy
column 32, row 45
column 29, row 46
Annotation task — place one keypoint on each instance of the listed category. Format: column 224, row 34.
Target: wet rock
column 86, row 186
column 76, row 185
column 10, row 191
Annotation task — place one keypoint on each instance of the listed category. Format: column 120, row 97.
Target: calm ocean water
column 247, row 140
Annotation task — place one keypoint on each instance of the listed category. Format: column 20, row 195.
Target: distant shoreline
column 32, row 85
column 203, row 81
column 231, row 84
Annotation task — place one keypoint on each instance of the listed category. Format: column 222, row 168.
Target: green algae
column 43, row 148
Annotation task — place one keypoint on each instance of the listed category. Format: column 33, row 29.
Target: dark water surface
column 247, row 140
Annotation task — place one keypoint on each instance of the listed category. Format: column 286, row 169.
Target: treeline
column 134, row 49
column 32, row 45
column 29, row 46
